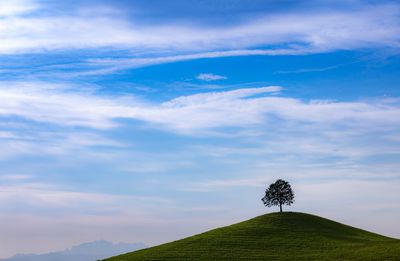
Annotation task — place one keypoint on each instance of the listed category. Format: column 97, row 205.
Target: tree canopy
column 278, row 193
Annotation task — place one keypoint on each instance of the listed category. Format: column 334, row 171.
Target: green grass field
column 276, row 236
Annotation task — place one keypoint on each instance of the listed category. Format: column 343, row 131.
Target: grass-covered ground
column 276, row 236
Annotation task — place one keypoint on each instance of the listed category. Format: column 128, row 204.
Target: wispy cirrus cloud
column 308, row 70
column 204, row 111
column 61, row 105
column 29, row 27
column 370, row 26
column 98, row 66
column 17, row 7
column 210, row 77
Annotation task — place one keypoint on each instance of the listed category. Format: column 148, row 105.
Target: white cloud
column 210, row 77
column 15, row 177
column 7, row 135
column 371, row 26
column 57, row 104
column 50, row 196
column 307, row 70
column 110, row 65
column 17, row 7
column 188, row 114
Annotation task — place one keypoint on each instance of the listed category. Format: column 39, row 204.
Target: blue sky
column 154, row 120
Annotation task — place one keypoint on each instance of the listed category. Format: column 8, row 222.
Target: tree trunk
column 280, row 206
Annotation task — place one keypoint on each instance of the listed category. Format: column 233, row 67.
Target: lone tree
column 279, row 193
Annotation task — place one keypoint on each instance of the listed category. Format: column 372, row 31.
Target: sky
column 149, row 121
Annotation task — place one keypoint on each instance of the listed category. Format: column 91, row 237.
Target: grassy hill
column 276, row 236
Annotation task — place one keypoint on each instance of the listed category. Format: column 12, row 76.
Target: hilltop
column 276, row 236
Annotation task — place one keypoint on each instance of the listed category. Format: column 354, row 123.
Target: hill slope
column 276, row 236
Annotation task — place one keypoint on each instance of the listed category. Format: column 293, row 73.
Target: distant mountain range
column 85, row 252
